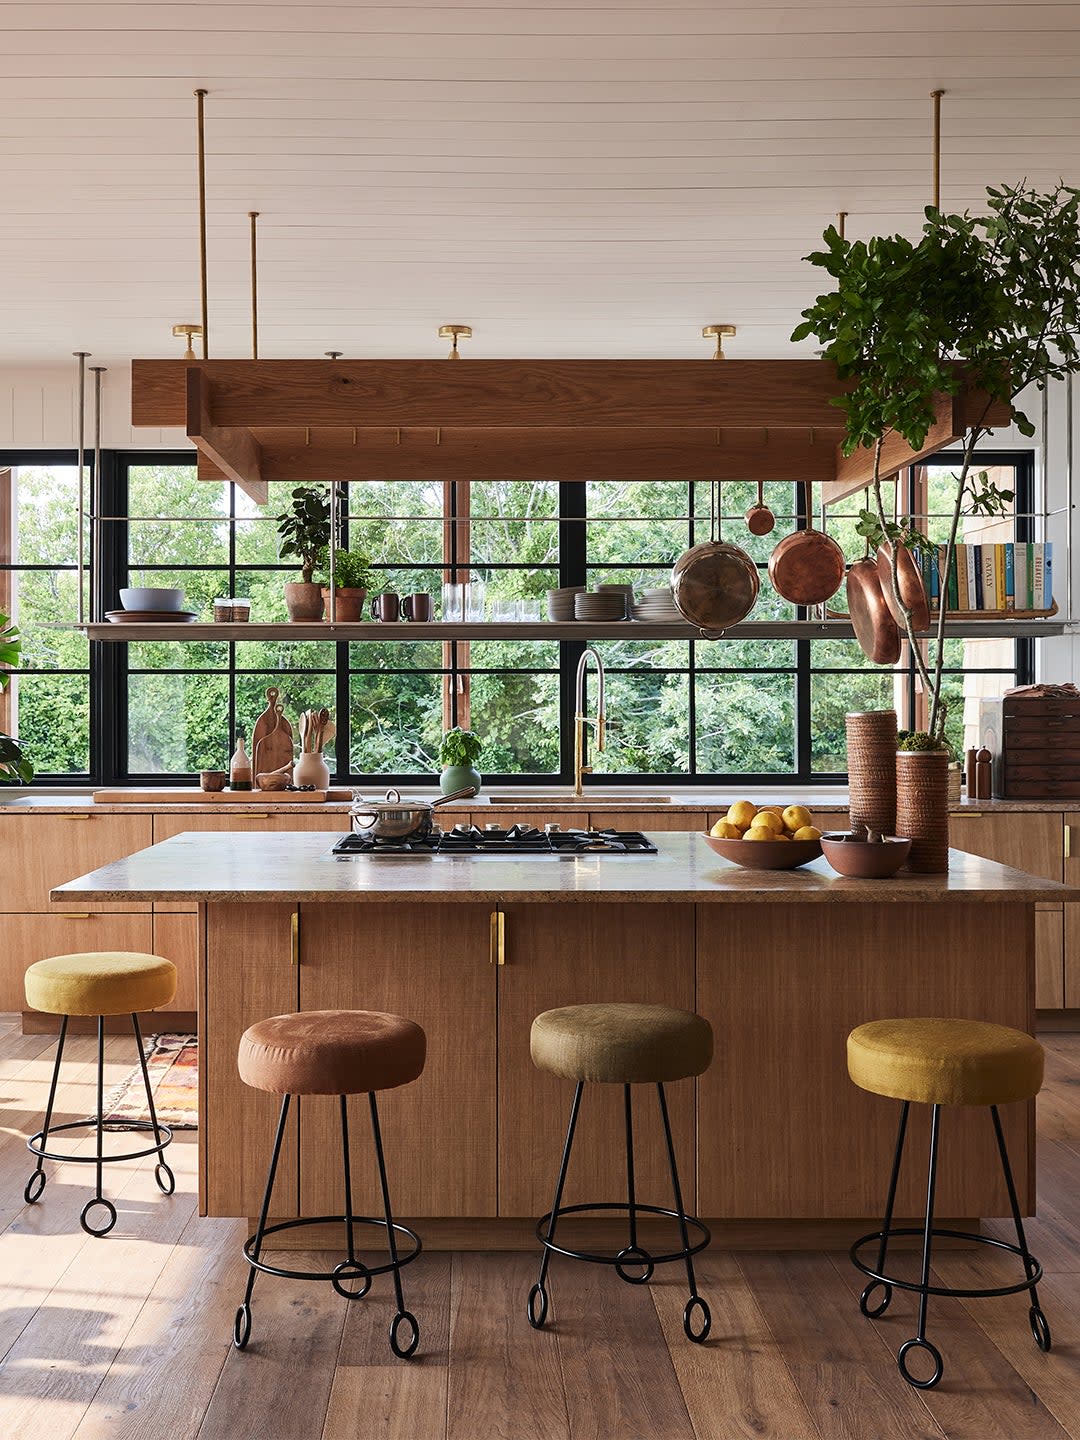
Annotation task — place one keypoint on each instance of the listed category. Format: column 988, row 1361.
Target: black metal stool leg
column 633, row 1254
column 242, row 1321
column 98, row 1198
column 886, row 1288
column 696, row 1302
column 36, row 1184
column 350, row 1265
column 167, row 1184
column 406, row 1351
column 537, row 1317
column 1037, row 1320
column 919, row 1341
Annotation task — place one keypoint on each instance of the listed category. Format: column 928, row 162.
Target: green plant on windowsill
column 15, row 768
column 352, row 570
column 458, row 753
column 304, row 534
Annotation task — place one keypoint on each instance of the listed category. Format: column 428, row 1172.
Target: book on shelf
column 994, row 579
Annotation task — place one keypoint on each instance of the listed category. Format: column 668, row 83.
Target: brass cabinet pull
column 72, row 914
column 1068, row 842
column 295, row 937
column 76, row 817
column 497, row 953
column 965, row 815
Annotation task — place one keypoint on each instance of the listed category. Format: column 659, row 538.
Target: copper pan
column 910, row 581
column 875, row 629
column 714, row 585
column 807, row 567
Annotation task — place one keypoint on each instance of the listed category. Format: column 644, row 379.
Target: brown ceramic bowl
column 766, row 854
column 213, row 779
column 863, row 860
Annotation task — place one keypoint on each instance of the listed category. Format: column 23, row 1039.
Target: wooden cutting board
column 272, row 737
column 193, row 795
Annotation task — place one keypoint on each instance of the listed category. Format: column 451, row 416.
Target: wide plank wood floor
column 128, row 1338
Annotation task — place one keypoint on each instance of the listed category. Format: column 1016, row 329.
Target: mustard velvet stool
column 99, row 984
column 937, row 1063
column 342, row 1053
column 627, row 1045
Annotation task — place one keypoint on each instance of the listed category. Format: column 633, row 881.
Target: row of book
column 990, row 577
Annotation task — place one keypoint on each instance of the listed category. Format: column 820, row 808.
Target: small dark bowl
column 766, row 854
column 865, row 861
column 213, row 779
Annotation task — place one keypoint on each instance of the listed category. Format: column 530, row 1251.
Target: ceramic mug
column 386, row 606
column 416, row 607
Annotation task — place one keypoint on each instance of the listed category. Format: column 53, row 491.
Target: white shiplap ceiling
column 574, row 180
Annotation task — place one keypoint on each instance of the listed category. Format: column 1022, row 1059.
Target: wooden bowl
column 863, row 860
column 766, row 854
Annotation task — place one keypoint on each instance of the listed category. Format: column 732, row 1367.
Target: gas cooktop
column 519, row 840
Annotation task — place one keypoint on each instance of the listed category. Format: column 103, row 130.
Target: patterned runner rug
column 173, row 1063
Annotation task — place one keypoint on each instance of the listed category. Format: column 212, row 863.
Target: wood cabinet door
column 250, row 975
column 29, row 938
column 44, row 850
column 569, row 955
column 658, row 819
column 176, row 938
column 1071, row 967
column 432, row 964
column 259, row 823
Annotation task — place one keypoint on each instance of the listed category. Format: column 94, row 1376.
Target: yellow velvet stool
column 623, row 1044
column 99, row 983
column 940, row 1062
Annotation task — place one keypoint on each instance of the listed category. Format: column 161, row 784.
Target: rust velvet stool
column 342, row 1053
column 938, row 1063
column 98, row 984
column 627, row 1045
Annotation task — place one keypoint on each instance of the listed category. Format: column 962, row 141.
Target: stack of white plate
column 657, row 606
column 600, row 605
column 560, row 603
column 626, row 591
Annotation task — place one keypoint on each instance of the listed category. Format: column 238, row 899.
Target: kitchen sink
column 590, row 799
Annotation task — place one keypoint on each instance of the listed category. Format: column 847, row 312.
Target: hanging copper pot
column 714, row 585
column 759, row 518
column 875, row 629
column 807, row 567
column 910, row 583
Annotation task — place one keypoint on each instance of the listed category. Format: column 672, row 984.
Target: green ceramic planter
column 459, row 777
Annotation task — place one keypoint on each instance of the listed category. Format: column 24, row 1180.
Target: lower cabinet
column 29, row 938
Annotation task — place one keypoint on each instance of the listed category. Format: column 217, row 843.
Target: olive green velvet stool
column 339, row 1053
column 938, row 1063
column 101, row 984
column 623, row 1045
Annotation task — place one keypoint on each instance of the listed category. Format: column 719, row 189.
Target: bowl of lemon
column 766, row 837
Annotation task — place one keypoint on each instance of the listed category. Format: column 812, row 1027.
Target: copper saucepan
column 714, row 585
column 807, row 567
column 910, row 583
column 875, row 629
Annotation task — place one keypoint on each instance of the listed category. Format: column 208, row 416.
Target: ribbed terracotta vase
column 871, row 760
column 922, row 808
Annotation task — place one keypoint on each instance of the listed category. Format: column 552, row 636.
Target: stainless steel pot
column 397, row 819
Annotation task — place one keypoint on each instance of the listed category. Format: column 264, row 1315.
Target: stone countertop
column 298, row 867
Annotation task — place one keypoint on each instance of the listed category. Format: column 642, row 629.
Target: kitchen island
column 783, row 964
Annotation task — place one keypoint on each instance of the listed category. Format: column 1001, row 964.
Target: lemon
column 770, row 819
column 724, row 830
column 742, row 814
column 795, row 817
column 760, row 832
column 807, row 832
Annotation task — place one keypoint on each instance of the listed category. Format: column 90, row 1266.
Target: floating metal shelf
column 543, row 630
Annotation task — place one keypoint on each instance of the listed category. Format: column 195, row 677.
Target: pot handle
column 707, row 634
column 393, row 796
column 465, row 794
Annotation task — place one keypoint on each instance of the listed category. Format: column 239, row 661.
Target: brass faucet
column 581, row 719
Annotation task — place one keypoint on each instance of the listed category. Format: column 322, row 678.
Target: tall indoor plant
column 304, row 535
column 15, row 768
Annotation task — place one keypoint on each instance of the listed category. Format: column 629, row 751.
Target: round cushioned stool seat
column 100, row 983
column 331, row 1052
column 945, row 1062
column 621, row 1044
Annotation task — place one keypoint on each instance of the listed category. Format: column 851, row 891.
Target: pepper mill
column 982, row 774
column 970, row 773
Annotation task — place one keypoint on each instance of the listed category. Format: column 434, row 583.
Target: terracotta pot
column 303, row 602
column 871, row 759
column 922, row 808
column 350, row 603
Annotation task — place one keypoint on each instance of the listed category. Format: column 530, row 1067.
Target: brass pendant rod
column 253, row 215
column 200, row 126
column 81, row 356
column 95, row 497
column 841, row 223
column 935, row 96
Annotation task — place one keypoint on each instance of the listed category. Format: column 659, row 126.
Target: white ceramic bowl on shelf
column 148, row 598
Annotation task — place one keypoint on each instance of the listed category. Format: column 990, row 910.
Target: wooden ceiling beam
column 552, row 454
column 232, row 450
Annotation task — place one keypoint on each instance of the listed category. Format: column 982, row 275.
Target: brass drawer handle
column 497, row 951
column 294, row 937
column 1068, row 842
column 76, row 817
column 966, row 815
column 72, row 914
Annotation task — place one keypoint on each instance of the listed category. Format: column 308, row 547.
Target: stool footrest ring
column 1034, row 1269
column 543, row 1230
column 116, row 1127
column 332, row 1275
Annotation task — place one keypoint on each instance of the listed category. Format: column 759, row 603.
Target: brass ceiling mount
column 454, row 333
column 187, row 332
column 720, row 333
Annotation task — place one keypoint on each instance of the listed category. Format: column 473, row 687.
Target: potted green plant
column 304, row 535
column 353, row 579
column 15, row 768
column 459, row 751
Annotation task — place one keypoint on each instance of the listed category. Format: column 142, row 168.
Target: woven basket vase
column 871, row 756
column 922, row 808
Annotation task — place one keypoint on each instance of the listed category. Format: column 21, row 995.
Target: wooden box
column 1035, row 745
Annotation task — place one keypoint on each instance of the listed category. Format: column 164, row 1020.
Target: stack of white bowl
column 602, row 604
column 560, row 603
column 658, row 606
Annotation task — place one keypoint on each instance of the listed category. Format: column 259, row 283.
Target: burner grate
column 518, row 840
